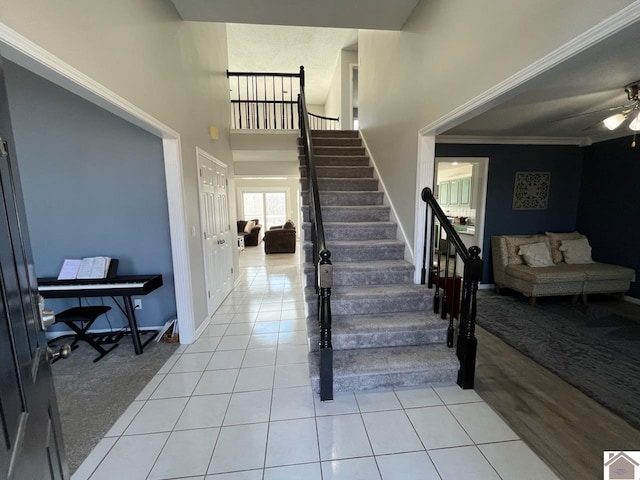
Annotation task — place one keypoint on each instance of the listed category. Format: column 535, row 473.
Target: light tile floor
column 237, row 405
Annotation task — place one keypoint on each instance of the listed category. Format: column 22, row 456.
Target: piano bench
column 80, row 319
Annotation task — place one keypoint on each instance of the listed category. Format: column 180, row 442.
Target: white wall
column 334, row 96
column 264, row 169
column 447, row 54
column 173, row 70
column 338, row 103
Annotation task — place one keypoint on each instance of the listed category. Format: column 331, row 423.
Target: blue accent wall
column 93, row 184
column 565, row 165
column 610, row 204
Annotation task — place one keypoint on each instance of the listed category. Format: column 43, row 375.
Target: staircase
column 385, row 334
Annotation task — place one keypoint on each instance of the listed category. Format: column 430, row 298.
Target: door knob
column 63, row 352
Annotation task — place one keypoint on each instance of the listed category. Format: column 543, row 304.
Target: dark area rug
column 92, row 396
column 594, row 347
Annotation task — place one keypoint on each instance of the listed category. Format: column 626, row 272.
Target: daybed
column 250, row 230
column 553, row 264
column 280, row 239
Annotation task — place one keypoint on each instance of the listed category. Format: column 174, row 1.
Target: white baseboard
column 486, row 286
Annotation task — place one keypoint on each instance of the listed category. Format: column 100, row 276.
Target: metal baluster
column 436, row 295
column 445, row 296
column 455, row 304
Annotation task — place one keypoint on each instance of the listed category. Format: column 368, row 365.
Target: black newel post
column 325, row 279
column 467, row 342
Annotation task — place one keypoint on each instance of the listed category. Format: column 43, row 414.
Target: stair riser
column 376, row 340
column 343, row 278
column 388, row 381
column 346, row 198
column 340, row 172
column 339, row 184
column 335, row 133
column 337, row 161
column 336, row 142
column 360, row 254
column 353, row 232
column 335, row 151
column 336, row 214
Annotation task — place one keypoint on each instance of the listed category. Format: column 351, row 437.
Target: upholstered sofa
column 280, row 239
column 250, row 230
column 565, row 272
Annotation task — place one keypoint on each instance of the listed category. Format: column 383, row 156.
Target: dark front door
column 31, row 445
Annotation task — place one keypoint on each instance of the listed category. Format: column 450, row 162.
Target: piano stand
column 80, row 319
column 118, row 286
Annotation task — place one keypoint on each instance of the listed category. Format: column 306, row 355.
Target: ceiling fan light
column 614, row 121
column 635, row 124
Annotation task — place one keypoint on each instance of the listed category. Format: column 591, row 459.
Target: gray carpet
column 91, row 396
column 595, row 348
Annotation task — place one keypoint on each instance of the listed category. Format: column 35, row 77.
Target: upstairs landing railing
column 455, row 297
column 321, row 255
column 269, row 101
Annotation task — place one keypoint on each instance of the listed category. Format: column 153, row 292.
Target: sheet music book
column 86, row 268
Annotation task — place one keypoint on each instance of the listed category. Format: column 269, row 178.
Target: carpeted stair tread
column 381, row 330
column 335, row 133
column 346, row 198
column 381, row 272
column 355, row 230
column 353, row 213
column 386, row 368
column 342, row 184
column 358, row 300
column 355, row 292
column 337, row 160
column 360, row 250
column 334, row 150
column 335, row 141
column 340, row 171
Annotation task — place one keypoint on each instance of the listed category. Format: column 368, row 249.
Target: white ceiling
column 591, row 81
column 269, row 48
column 369, row 14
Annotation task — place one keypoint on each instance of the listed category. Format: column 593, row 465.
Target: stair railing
column 458, row 301
column 265, row 100
column 321, row 255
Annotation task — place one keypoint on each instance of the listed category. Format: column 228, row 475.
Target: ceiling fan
column 630, row 110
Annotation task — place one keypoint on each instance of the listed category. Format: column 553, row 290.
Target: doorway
column 461, row 190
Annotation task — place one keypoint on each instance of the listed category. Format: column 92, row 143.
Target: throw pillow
column 514, row 242
column 249, row 226
column 554, row 243
column 576, row 251
column 536, row 254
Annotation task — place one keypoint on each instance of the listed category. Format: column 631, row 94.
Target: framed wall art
column 531, row 190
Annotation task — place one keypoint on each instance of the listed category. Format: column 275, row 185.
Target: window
column 269, row 207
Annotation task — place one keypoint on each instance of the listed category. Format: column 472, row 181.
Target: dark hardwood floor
column 563, row 426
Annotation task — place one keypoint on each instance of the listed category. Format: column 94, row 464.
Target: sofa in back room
column 553, row 264
column 250, row 230
column 280, row 239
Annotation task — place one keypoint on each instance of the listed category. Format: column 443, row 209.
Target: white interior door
column 216, row 229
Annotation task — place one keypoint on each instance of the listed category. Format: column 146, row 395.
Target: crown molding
column 506, row 140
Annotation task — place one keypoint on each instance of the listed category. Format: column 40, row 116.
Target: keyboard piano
column 102, row 287
column 124, row 286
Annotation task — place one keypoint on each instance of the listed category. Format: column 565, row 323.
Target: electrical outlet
column 137, row 304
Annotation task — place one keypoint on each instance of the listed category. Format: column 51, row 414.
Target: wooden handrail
column 321, row 255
